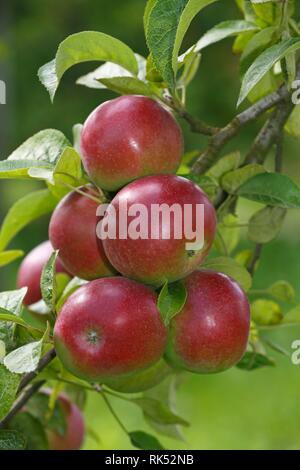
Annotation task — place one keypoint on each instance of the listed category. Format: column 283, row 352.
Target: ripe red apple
column 109, row 328
column 211, row 333
column 127, row 138
column 72, row 231
column 154, row 261
column 141, row 381
column 31, row 268
column 75, row 429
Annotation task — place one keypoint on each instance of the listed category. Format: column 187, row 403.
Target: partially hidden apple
column 30, row 271
column 72, row 231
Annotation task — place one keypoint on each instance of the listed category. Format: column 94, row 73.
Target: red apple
column 72, row 231
column 109, row 328
column 30, row 271
column 127, row 138
column 75, row 429
column 154, row 261
column 211, row 333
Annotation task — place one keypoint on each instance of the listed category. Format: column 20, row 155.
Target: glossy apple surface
column 168, row 257
column 211, row 333
column 109, row 328
column 72, row 231
column 127, row 138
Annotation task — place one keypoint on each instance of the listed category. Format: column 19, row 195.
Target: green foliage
column 266, row 224
column 230, row 267
column 83, row 47
column 266, row 312
column 273, row 189
column 23, row 212
column 12, row 440
column 144, row 441
column 48, row 282
column 9, row 384
column 253, row 360
column 264, row 63
column 167, row 23
column 7, row 257
column 32, row 429
column 171, row 300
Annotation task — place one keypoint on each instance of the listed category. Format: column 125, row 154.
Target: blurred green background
column 234, row 410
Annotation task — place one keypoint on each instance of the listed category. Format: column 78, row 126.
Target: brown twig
column 44, row 362
column 255, row 259
column 280, row 98
column 19, row 404
column 25, row 395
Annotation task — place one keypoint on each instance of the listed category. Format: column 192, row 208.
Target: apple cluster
column 110, row 330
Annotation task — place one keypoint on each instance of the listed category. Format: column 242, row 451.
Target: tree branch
column 270, row 132
column 44, row 362
column 19, row 404
column 255, row 259
column 30, row 391
column 280, row 98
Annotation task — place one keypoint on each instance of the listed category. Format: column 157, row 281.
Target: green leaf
column 265, row 225
column 282, row 290
column 231, row 268
column 222, row 31
column 266, row 312
column 48, row 282
column 18, row 169
column 166, row 393
column 67, row 173
column 264, row 63
column 9, row 384
column 32, row 429
column 293, row 316
column 166, row 25
column 109, row 70
column 23, row 212
column 77, row 129
column 83, row 47
column 45, row 147
column 150, row 4
column 232, row 180
column 263, row 39
column 224, row 165
column 254, row 360
column 11, row 303
column 158, row 411
column 24, row 359
column 71, row 287
column 171, row 300
column 292, row 126
column 9, row 317
column 191, row 64
column 127, row 86
column 228, row 234
column 144, row 441
column 7, row 257
column 274, row 189
column 12, row 440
